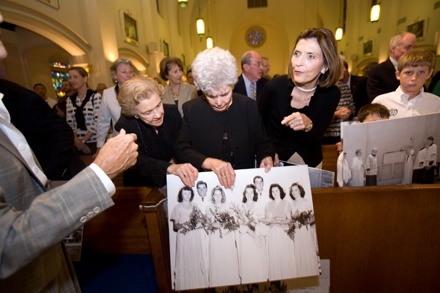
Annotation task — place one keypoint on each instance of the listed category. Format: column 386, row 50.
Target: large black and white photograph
column 391, row 152
column 262, row 229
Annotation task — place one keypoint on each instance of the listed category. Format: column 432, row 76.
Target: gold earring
column 136, row 116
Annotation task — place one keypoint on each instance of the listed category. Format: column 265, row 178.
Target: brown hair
column 371, row 109
column 80, row 70
column 416, row 57
column 167, row 63
column 327, row 43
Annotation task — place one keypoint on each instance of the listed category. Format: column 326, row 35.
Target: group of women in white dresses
column 251, row 246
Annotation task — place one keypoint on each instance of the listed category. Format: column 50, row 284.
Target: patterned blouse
column 90, row 111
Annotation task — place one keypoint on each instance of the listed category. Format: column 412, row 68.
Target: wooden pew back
column 380, row 239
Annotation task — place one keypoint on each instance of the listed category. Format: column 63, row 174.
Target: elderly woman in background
column 82, row 110
column 121, row 70
column 297, row 108
column 176, row 92
column 155, row 126
column 221, row 130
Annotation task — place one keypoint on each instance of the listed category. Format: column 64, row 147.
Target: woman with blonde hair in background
column 121, row 70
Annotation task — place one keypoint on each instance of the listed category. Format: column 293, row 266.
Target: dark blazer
column 49, row 136
column 381, row 79
column 201, row 134
column 240, row 86
column 155, row 149
column 358, row 87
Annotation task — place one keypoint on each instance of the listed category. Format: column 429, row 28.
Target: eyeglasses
column 258, row 64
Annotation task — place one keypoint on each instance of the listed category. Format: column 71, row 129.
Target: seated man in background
column 382, row 77
column 251, row 81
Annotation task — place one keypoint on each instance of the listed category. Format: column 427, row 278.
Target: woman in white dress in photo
column 223, row 254
column 304, row 243
column 280, row 247
column 252, row 248
column 191, row 260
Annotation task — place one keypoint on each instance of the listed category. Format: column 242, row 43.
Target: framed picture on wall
column 54, row 3
column 368, row 48
column 418, row 28
column 129, row 28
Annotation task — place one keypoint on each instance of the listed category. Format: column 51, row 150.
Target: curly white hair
column 214, row 68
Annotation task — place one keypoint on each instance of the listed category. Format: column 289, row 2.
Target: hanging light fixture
column 200, row 25
column 375, row 12
column 339, row 33
column 182, row 3
column 209, row 43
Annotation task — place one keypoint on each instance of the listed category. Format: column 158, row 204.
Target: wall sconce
column 339, row 33
column 200, row 24
column 375, row 12
column 182, row 3
column 209, row 43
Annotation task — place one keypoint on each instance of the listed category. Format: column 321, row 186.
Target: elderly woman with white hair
column 221, row 130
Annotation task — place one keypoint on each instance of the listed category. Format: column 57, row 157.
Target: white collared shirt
column 400, row 106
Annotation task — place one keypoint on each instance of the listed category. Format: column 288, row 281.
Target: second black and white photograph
column 392, row 152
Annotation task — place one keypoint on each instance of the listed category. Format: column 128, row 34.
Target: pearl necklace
column 306, row 90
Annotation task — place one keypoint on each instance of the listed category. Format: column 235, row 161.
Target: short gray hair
column 214, row 68
column 119, row 61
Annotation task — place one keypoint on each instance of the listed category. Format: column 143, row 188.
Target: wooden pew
column 330, row 159
column 121, row 229
column 378, row 239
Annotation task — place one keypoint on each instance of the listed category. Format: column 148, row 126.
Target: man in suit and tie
column 250, row 82
column 35, row 220
column 382, row 77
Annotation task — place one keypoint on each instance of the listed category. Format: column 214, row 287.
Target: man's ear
column 398, row 74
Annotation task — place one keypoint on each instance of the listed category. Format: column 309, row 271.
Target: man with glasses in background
column 251, row 81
